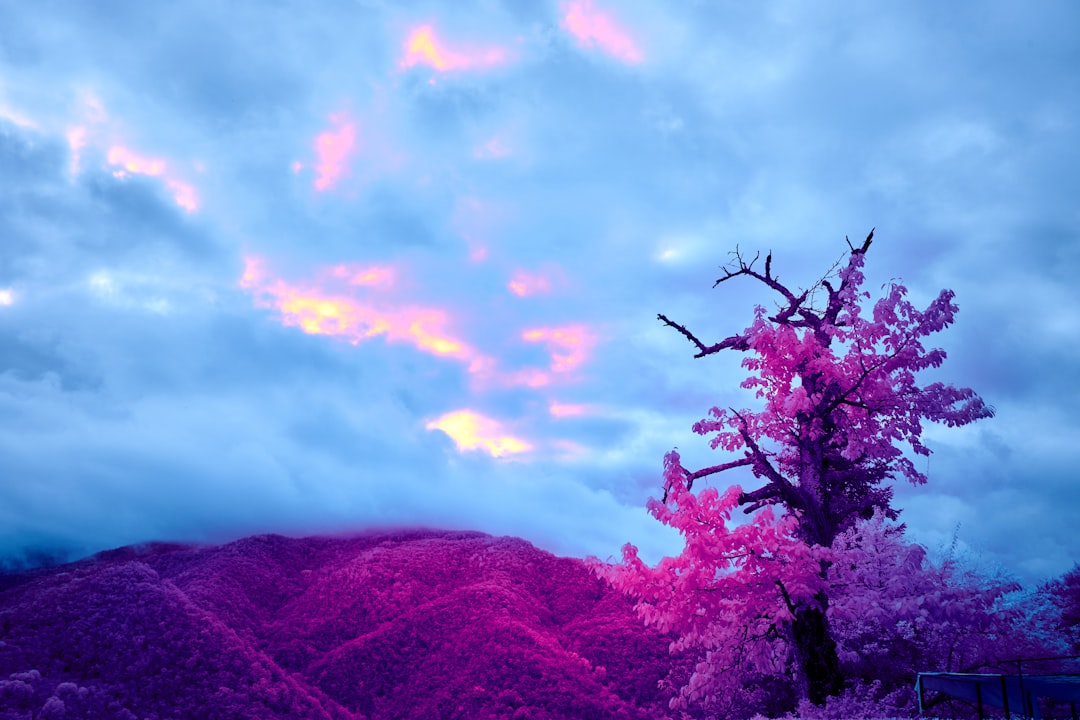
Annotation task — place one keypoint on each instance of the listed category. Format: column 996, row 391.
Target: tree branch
column 704, row 472
column 735, row 342
column 766, row 495
column 745, row 268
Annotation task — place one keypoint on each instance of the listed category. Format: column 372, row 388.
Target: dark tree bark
column 815, row 651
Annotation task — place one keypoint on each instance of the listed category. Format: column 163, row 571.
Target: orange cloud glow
column 569, row 345
column 472, row 431
column 524, row 284
column 423, row 48
column 318, row 311
column 333, row 148
column 594, row 28
column 130, row 162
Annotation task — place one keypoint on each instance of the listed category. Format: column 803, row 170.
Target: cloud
column 333, row 149
column 323, row 311
column 473, row 431
column 524, row 284
column 423, row 47
column 485, row 211
column 596, row 28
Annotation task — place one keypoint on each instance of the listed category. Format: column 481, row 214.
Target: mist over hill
column 403, row 624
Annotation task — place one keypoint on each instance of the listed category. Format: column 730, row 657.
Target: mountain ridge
column 386, row 624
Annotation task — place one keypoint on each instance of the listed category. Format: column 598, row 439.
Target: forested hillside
column 392, row 625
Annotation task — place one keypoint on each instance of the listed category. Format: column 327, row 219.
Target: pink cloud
column 374, row 276
column 134, row 163
column 184, row 195
column 131, row 162
column 356, row 303
column 333, row 148
column 334, row 311
column 524, row 284
column 472, row 431
column 594, row 28
column 569, row 345
column 423, row 48
column 561, row 410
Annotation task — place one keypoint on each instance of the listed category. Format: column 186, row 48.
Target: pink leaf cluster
column 731, row 591
column 852, row 381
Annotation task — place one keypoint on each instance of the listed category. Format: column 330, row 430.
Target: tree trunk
column 815, row 651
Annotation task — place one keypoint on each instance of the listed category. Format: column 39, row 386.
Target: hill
column 409, row 624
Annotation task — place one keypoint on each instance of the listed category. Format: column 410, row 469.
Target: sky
column 322, row 267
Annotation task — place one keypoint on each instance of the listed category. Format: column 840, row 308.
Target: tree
column 896, row 613
column 840, row 400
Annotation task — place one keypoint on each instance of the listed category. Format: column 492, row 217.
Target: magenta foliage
column 895, row 613
column 841, row 402
column 414, row 624
column 725, row 592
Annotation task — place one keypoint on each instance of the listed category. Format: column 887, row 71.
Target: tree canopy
column 841, row 409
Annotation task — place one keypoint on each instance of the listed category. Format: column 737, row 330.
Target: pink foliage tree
column 840, row 403
column 895, row 613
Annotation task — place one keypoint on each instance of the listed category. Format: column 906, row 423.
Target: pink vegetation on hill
column 412, row 624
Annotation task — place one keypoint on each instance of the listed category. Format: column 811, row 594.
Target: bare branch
column 747, row 268
column 686, row 333
column 705, row 472
column 866, row 243
column 735, row 342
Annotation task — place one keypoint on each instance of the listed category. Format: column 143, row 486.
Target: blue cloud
column 146, row 394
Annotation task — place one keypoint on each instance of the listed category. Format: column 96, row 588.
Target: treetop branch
column 735, row 342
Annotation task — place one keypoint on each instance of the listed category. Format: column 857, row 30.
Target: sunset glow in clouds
column 423, row 48
column 130, row 162
column 329, row 306
column 481, row 207
column 473, row 431
column 333, row 149
column 326, row 307
column 319, row 311
column 596, row 28
column 524, row 284
column 569, row 345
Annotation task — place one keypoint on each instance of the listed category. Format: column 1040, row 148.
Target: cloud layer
column 387, row 265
